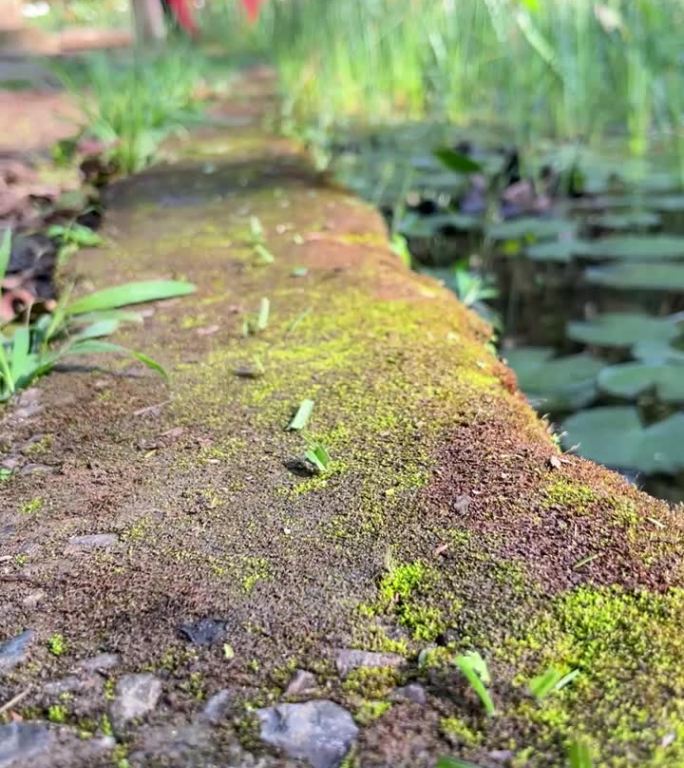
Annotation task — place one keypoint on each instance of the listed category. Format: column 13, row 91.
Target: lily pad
column 634, row 247
column 659, row 276
column 657, row 351
column 630, row 380
column 553, row 385
column 625, row 221
column 623, row 329
column 667, row 203
column 530, row 228
column 552, row 250
column 429, row 226
column 616, row 437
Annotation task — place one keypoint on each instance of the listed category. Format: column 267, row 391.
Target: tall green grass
column 566, row 69
column 132, row 103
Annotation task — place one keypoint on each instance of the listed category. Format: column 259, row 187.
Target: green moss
column 57, row 713
column 371, row 682
column 368, row 711
column 256, row 569
column 401, row 582
column 569, row 494
column 628, row 649
column 459, row 732
column 32, row 506
column 39, row 447
column 57, row 645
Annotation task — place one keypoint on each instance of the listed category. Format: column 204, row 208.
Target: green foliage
column 551, row 680
column 302, row 416
column 474, row 669
column 76, row 328
column 579, row 754
column 318, row 457
column 131, row 106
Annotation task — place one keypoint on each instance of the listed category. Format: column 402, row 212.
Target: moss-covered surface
column 439, row 527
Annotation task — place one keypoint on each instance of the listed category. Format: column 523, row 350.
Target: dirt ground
column 177, row 530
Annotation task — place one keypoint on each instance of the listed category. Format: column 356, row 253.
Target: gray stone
column 302, row 682
column 320, row 732
column 99, row 663
column 32, row 600
column 13, row 651
column 217, row 707
column 22, row 742
column 136, row 695
column 411, row 692
column 90, row 542
column 349, row 659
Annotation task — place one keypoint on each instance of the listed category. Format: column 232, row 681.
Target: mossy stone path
column 181, row 571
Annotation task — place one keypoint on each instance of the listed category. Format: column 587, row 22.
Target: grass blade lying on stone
column 301, row 418
column 264, row 312
column 317, row 455
column 129, row 293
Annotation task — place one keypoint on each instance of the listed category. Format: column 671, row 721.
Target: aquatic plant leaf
column 554, row 250
column 657, row 351
column 531, row 228
column 630, row 380
column 456, row 161
column 658, row 276
column 129, row 293
column 623, row 329
column 614, row 435
column 554, row 385
column 633, row 247
column 301, row 418
column 625, row 221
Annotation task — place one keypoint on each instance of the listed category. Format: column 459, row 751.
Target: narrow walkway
column 171, row 569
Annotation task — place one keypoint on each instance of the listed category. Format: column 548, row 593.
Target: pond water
column 577, row 259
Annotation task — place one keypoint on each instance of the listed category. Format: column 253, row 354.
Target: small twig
column 14, row 701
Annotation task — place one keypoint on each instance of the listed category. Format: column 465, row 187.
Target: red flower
column 252, row 7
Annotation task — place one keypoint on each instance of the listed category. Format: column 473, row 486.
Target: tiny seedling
column 301, row 418
column 579, row 754
column 551, row 680
column 256, row 230
column 252, row 325
column 264, row 256
column 318, row 457
column 474, row 669
column 74, row 234
column 299, row 272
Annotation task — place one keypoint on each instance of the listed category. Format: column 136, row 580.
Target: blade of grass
column 129, row 293
column 468, row 668
column 95, row 347
column 264, row 312
column 301, row 418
